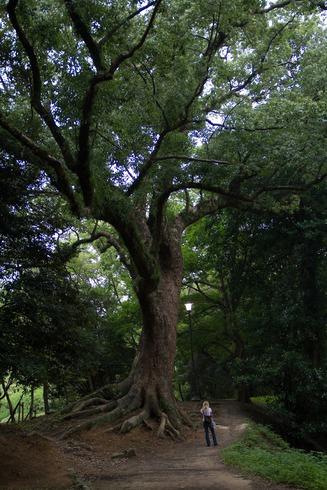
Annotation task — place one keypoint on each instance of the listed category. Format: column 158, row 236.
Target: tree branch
column 205, row 208
column 33, row 153
column 148, row 164
column 321, row 4
column 109, row 34
column 278, row 5
column 29, row 143
column 255, row 70
column 222, row 199
column 36, row 89
column 204, row 187
column 250, row 130
column 198, row 289
column 194, row 159
column 83, row 170
column 82, row 30
column 124, row 56
column 216, row 40
column 154, row 90
column 111, row 242
column 290, row 188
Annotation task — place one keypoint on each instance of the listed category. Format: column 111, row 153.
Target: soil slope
column 31, row 461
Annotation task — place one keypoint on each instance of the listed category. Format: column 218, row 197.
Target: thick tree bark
column 151, row 378
column 154, row 367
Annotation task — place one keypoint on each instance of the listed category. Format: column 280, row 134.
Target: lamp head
column 188, row 306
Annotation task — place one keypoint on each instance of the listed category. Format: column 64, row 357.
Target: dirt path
column 190, row 464
column 43, row 461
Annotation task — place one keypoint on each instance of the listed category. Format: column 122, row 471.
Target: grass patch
column 15, row 394
column 263, row 400
column 262, row 452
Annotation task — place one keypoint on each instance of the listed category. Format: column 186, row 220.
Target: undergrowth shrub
column 262, row 452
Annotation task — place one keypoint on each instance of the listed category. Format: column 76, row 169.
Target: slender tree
column 120, row 102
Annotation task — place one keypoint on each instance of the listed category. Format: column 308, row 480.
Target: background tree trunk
column 30, row 412
column 9, row 403
column 46, row 397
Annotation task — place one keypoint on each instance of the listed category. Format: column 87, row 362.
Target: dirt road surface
column 190, row 464
column 38, row 458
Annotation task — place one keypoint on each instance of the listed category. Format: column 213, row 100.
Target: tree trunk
column 10, row 406
column 243, row 393
column 31, row 410
column 154, row 368
column 46, row 397
column 151, row 378
column 148, row 390
column 314, row 340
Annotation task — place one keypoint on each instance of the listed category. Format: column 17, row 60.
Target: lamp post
column 188, row 307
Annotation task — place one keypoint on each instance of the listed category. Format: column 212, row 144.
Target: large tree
column 128, row 107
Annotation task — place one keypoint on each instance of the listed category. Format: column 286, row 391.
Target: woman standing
column 208, row 423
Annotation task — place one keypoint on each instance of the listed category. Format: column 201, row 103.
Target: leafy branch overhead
column 217, row 59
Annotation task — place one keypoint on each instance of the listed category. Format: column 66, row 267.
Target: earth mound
column 29, row 460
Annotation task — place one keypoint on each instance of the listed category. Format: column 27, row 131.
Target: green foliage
column 29, row 219
column 59, row 322
column 173, row 84
column 261, row 452
column 263, row 400
column 41, row 324
column 258, row 286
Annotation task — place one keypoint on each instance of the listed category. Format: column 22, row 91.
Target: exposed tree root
column 134, row 421
column 162, row 425
column 88, row 403
column 172, row 431
column 147, row 425
column 126, row 399
column 166, row 427
column 106, row 393
column 121, row 407
column 114, row 428
column 185, row 418
column 91, row 411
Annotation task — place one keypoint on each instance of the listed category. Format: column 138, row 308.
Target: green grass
column 262, row 452
column 263, row 400
column 15, row 394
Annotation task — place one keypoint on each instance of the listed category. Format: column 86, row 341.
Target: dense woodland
column 154, row 154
